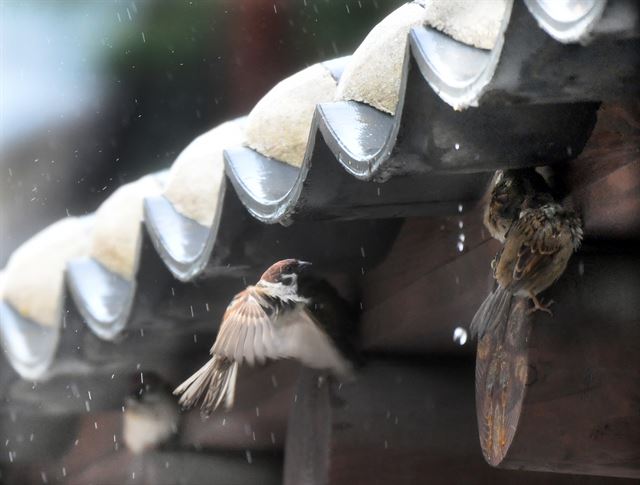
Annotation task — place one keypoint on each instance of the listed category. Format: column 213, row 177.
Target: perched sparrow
column 536, row 251
column 508, row 193
column 277, row 318
column 151, row 417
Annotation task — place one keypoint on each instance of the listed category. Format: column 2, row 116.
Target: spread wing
column 253, row 330
column 301, row 337
column 247, row 330
column 541, row 238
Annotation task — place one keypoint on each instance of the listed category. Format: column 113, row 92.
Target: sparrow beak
column 303, row 265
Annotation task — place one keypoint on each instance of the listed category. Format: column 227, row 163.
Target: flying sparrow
column 285, row 315
column 536, row 251
column 151, row 416
column 508, row 193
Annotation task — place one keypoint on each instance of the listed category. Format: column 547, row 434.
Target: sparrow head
column 510, row 189
column 146, row 394
column 284, row 274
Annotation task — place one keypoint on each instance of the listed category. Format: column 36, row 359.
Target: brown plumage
column 271, row 320
column 536, row 251
column 509, row 190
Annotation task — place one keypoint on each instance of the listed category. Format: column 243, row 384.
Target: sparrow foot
column 539, row 305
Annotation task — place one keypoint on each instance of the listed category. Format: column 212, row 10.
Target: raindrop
column 43, row 475
column 273, row 438
column 581, row 268
column 89, row 394
column 362, row 251
column 144, row 40
column 386, row 444
column 141, row 378
column 460, row 336
column 142, row 332
column 195, row 338
column 64, row 472
column 459, row 207
column 206, row 306
column 457, row 146
column 87, row 406
column 460, row 224
column 274, row 381
column 460, row 246
column 249, row 457
column 257, row 411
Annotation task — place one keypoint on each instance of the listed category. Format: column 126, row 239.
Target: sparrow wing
column 247, row 330
column 302, row 337
column 541, row 238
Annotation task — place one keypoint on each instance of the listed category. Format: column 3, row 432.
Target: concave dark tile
column 29, row 346
column 529, row 66
column 357, row 133
column 103, row 298
column 567, row 21
column 183, row 244
column 447, row 64
column 263, row 184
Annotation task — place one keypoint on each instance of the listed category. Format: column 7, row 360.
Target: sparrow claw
column 539, row 305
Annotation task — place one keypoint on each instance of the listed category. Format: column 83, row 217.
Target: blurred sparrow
column 151, row 416
column 509, row 190
column 279, row 317
column 536, row 251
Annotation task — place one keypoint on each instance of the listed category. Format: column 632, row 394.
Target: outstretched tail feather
column 212, row 383
column 493, row 311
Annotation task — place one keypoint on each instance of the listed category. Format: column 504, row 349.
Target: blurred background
column 96, row 93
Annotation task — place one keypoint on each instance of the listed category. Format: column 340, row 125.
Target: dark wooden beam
column 562, row 393
column 603, row 183
column 434, row 278
column 400, row 422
